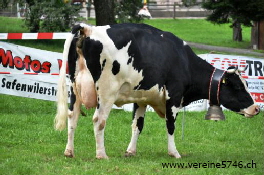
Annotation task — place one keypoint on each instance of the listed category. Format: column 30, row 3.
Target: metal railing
column 174, row 8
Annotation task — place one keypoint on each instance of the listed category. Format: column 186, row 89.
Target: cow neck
column 214, row 86
column 199, row 84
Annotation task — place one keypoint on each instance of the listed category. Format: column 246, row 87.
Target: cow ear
column 226, row 78
column 231, row 69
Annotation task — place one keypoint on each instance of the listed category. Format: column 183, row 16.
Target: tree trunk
column 261, row 35
column 104, row 12
column 254, row 35
column 237, row 31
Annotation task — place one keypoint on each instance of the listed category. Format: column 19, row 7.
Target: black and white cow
column 137, row 63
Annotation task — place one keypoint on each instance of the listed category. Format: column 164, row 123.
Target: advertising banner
column 33, row 73
column 254, row 73
column 29, row 72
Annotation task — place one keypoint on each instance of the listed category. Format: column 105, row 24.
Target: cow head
column 234, row 94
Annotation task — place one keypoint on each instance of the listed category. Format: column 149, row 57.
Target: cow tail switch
column 62, row 97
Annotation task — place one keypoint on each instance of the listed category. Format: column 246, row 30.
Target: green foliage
column 241, row 11
column 50, row 16
column 127, row 11
column 3, row 4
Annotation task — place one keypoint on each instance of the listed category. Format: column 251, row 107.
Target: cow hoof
column 68, row 153
column 175, row 154
column 130, row 153
column 102, row 157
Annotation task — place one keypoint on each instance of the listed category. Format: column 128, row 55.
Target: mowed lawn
column 193, row 30
column 202, row 31
column 30, row 145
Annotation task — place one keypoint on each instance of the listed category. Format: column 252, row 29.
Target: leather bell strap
column 214, row 87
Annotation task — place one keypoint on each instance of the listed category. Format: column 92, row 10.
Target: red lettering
column 6, row 58
column 27, row 62
column 225, row 63
column 46, row 67
column 35, row 66
column 243, row 64
column 234, row 63
column 18, row 63
column 60, row 64
column 214, row 60
column 258, row 97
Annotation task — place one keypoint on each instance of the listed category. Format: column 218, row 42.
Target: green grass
column 202, row 31
column 194, row 30
column 51, row 45
column 12, row 25
column 30, row 145
column 16, row 25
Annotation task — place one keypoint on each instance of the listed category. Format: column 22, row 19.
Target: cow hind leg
column 171, row 113
column 99, row 120
column 137, row 126
column 74, row 112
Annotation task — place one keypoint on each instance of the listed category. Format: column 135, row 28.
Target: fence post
column 174, row 10
column 18, row 11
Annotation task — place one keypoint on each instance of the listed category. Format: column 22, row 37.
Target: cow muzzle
column 251, row 111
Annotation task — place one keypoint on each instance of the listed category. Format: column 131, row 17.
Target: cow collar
column 214, row 87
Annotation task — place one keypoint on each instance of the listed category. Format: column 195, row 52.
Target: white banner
column 254, row 71
column 19, row 63
column 20, row 60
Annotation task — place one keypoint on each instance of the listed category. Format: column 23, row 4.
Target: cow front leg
column 74, row 112
column 137, row 126
column 171, row 113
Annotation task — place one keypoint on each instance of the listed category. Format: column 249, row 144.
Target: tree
column 238, row 12
column 117, row 11
column 104, row 11
column 32, row 20
column 3, row 4
column 47, row 16
column 50, row 16
column 127, row 11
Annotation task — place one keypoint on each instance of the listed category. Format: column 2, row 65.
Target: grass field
column 202, row 31
column 30, row 145
column 194, row 30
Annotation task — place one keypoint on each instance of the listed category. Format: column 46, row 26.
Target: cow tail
column 62, row 91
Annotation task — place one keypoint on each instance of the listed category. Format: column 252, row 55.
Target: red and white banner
column 29, row 72
column 33, row 73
